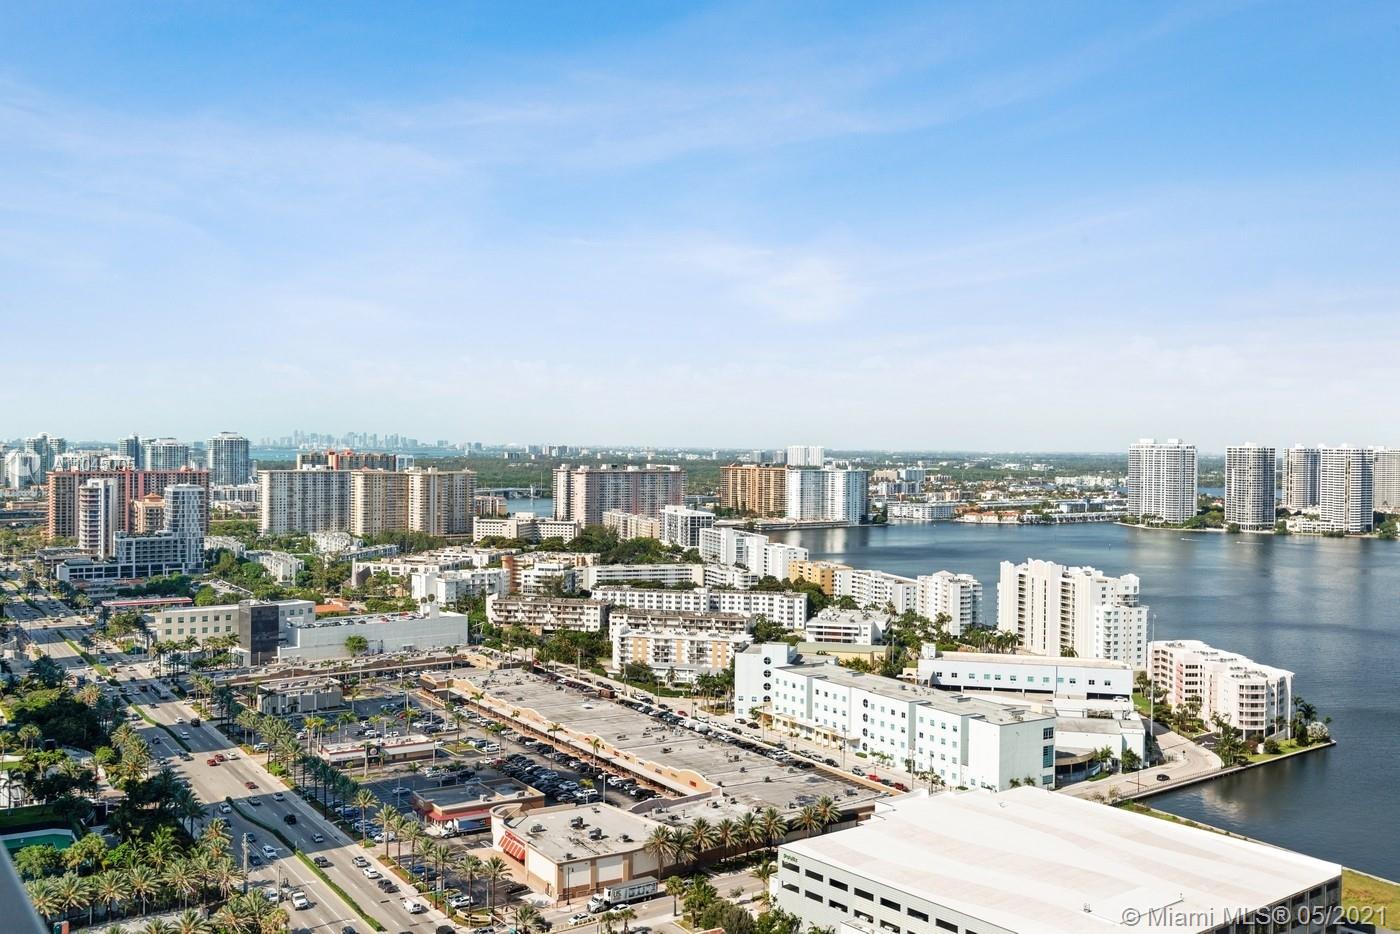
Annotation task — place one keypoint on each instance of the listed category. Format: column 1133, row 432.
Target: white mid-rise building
column 787, row 609
column 99, row 512
column 751, row 550
column 846, row 627
column 1345, row 490
column 1026, row 860
column 547, row 614
column 1250, row 481
column 584, row 493
column 682, row 527
column 283, row 567
column 963, row 740
column 1300, row 474
column 1056, row 609
column 828, row 494
column 1089, row 678
column 601, row 575
column 675, row 655
column 629, row 525
column 1256, row 699
column 448, row 587
column 878, row 589
column 1162, row 480
column 958, row 596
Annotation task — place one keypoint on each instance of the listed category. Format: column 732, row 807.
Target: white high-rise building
column 98, row 516
column 958, row 595
column 228, row 459
column 1300, row 473
column 1385, row 474
column 22, row 469
column 1345, row 489
column 828, row 494
column 1162, row 480
column 165, row 454
column 806, row 455
column 585, row 493
column 303, row 501
column 1058, row 610
column 681, row 526
column 1250, row 486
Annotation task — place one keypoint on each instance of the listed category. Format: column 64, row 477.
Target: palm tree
column 493, row 870
column 182, row 878
column 143, row 882
column 698, row 893
column 469, row 865
column 828, row 812
column 157, row 926
column 748, row 830
column 190, row 922
column 675, row 887
column 807, row 820
column 764, row 873
column 771, row 826
column 702, row 837
column 727, row 834
column 73, row 892
column 660, row 844
column 413, row 833
column 626, row 915
column 43, row 895
column 364, row 800
column 435, row 854
column 392, row 823
column 110, row 888
column 528, row 918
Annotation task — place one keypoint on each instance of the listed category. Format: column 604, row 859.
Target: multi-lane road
column 228, row 780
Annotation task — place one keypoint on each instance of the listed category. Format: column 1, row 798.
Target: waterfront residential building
column 806, row 455
column 1086, row 678
column 958, row 596
column 750, row 550
column 1345, row 490
column 682, row 527
column 784, row 608
column 1162, row 480
column 965, row 741
column 821, row 573
column 754, row 489
column 584, row 493
column 922, row 512
column 308, row 500
column 1300, row 476
column 729, row 576
column 845, row 627
column 1256, row 699
column 229, row 463
column 441, row 502
column 828, row 494
column 1250, row 479
column 547, row 614
column 1055, row 610
column 1385, row 474
column 878, row 589
column 1026, row 860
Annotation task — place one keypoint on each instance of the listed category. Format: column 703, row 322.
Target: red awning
column 513, row 847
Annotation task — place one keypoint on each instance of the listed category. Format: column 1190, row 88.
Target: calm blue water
column 1326, row 609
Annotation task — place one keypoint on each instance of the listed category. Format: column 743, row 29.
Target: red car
column 212, row 760
column 220, row 757
column 250, row 785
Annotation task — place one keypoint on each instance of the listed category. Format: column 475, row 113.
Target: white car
column 414, row 908
column 371, row 873
column 278, row 796
column 225, row 809
column 269, row 851
column 581, row 918
column 401, row 790
column 460, row 901
column 299, row 899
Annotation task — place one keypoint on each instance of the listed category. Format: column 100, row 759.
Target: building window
column 889, row 903
column 1048, row 733
column 813, row 875
column 832, row 903
column 917, row 914
column 946, row 925
column 861, row 893
column 838, row 884
column 813, row 896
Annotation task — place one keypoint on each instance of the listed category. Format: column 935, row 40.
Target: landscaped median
column 306, row 860
column 92, row 663
column 173, row 735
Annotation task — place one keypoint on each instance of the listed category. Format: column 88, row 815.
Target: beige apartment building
column 753, row 488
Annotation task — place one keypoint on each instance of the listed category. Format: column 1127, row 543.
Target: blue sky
column 989, row 226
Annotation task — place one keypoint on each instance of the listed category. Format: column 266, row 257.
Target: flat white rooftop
column 1032, row 860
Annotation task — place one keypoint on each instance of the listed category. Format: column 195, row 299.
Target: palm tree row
column 701, row 839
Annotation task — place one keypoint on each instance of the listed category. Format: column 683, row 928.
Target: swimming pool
column 61, row 839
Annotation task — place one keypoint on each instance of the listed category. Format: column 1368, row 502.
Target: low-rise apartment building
column 1256, row 699
column 547, row 614
column 821, row 573
column 675, row 655
column 448, row 587
column 630, row 525
column 877, row 589
column 682, row 527
column 601, row 575
column 785, row 609
column 848, row 627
